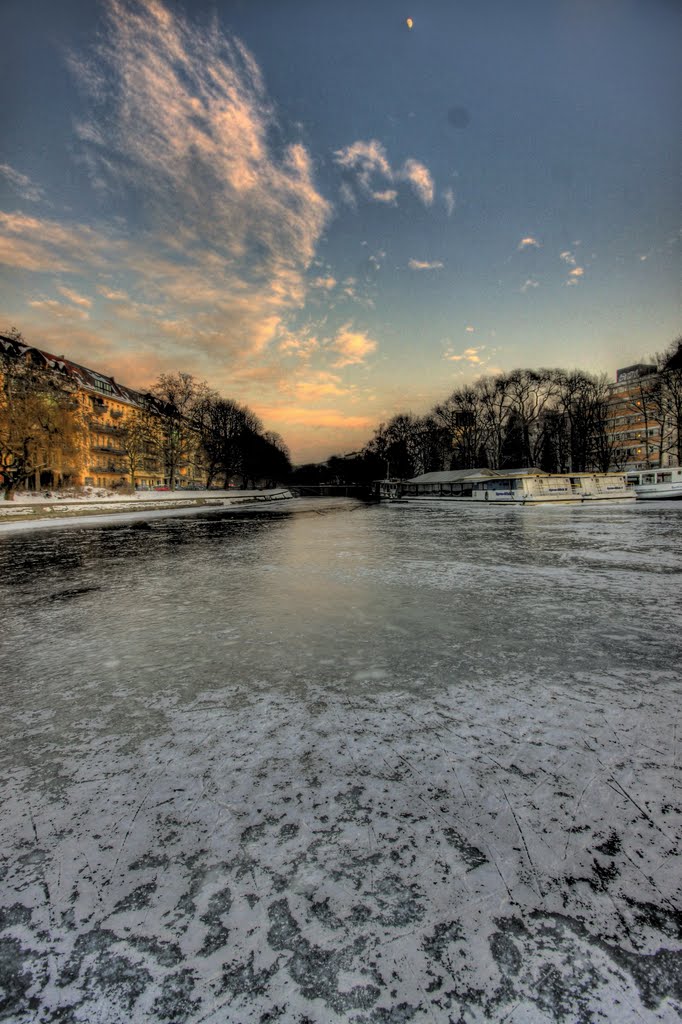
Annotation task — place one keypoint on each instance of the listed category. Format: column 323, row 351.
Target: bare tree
column 140, row 438
column 463, row 420
column 495, row 402
column 670, row 363
column 177, row 396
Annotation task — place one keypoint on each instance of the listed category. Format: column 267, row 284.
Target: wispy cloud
column 469, row 355
column 40, row 244
column 59, row 310
column 449, row 200
column 112, row 294
column 21, row 184
column 326, row 283
column 179, row 119
column 316, row 385
column 74, row 297
column 575, row 275
column 528, row 243
column 420, row 179
column 529, row 283
column 388, row 196
column 368, row 161
column 353, row 347
column 425, row 265
column 568, row 257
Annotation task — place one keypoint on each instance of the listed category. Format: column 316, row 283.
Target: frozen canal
column 372, row 765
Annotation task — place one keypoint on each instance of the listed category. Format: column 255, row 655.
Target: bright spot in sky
column 409, row 22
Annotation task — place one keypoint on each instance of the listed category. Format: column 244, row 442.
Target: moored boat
column 656, row 484
column 510, row 487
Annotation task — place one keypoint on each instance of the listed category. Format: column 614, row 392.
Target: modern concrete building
column 638, row 426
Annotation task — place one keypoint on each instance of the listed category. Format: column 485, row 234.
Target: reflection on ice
column 370, row 766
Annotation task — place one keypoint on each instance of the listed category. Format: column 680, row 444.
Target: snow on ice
column 363, row 767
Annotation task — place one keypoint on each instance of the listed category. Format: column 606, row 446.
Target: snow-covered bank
column 37, row 511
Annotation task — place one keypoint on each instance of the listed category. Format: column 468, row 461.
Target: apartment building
column 639, row 431
column 104, row 412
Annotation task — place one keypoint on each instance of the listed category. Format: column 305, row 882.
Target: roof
column 81, row 376
column 451, row 476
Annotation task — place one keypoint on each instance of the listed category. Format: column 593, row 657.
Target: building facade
column 640, row 430
column 117, row 428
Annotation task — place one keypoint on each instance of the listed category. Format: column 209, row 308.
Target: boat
column 508, row 487
column 654, row 484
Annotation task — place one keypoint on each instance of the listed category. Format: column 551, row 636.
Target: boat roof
column 451, row 476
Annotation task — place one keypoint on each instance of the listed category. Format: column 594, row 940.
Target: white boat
column 509, row 487
column 649, row 484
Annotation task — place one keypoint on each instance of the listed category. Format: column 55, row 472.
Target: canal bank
column 30, row 512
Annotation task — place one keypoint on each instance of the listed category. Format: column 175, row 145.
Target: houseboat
column 510, row 487
column 656, row 483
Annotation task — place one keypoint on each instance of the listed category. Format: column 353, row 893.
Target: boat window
column 664, row 478
column 648, row 478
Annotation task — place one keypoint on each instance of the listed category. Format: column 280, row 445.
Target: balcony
column 111, row 468
column 107, row 448
column 104, row 428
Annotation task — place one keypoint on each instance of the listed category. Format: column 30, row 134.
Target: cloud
column 420, row 178
column 469, row 355
column 528, row 243
column 112, row 295
column 327, row 283
column 568, row 257
column 575, row 275
column 22, row 184
column 469, row 329
column 449, row 200
column 530, row 282
column 368, row 161
column 315, row 386
column 300, row 344
column 59, row 310
column 388, row 196
column 348, row 195
column 39, row 244
column 425, row 265
column 306, row 416
column 354, row 347
column 180, row 122
column 78, row 300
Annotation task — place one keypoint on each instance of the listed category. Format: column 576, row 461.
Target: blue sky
column 334, row 217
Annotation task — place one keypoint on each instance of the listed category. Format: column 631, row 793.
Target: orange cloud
column 353, row 347
column 425, row 265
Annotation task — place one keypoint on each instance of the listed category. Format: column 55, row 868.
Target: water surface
column 365, row 764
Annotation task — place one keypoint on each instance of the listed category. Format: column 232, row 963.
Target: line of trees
column 184, row 420
column 553, row 419
column 180, row 422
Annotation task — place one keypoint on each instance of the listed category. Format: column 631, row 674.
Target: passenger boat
column 651, row 484
column 509, row 487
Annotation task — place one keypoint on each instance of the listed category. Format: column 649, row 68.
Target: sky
column 330, row 215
